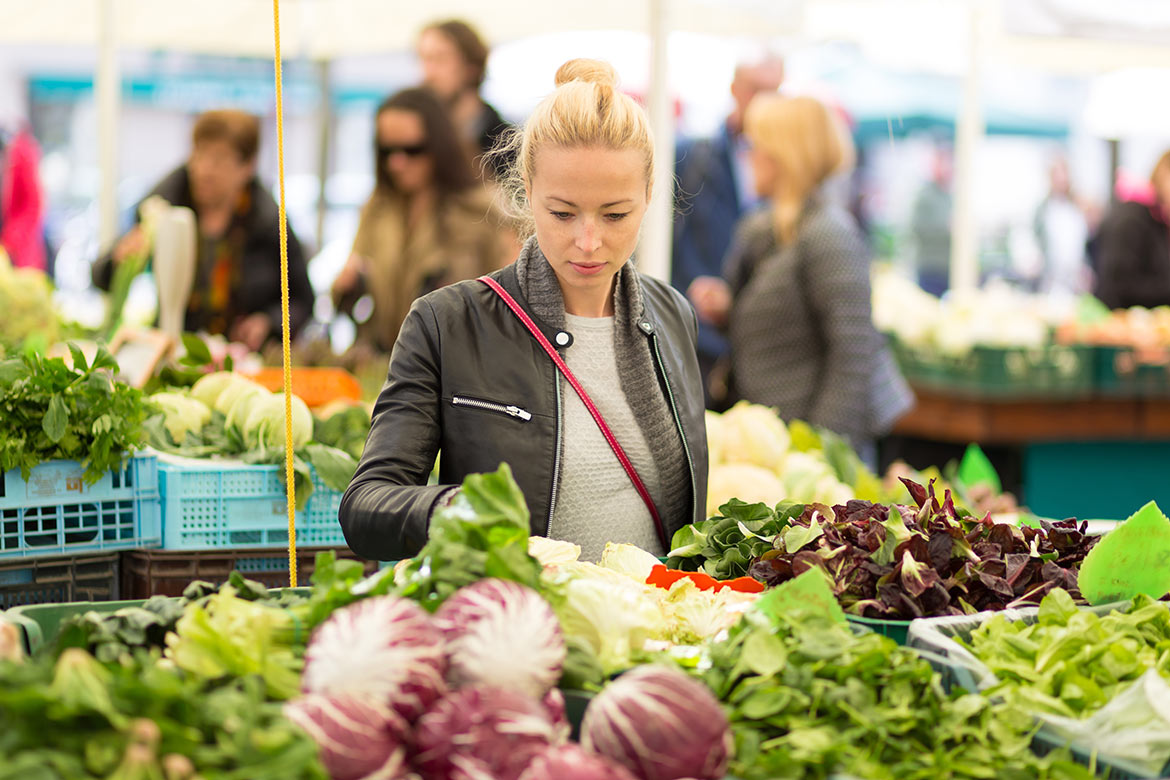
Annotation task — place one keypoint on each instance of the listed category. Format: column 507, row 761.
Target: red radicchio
column 572, row 762
column 359, row 740
column 660, row 724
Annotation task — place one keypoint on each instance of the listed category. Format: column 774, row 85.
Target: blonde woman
column 795, row 292
column 470, row 376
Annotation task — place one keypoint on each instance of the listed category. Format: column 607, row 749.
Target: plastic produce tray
column 894, row 629
column 1054, row 371
column 208, row 505
column 56, row 513
column 56, row 579
column 147, row 573
column 959, row 668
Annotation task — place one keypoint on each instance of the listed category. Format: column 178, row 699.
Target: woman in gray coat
column 795, row 293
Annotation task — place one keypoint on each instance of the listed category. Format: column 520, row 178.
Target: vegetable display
column 26, row 298
column 55, row 411
column 902, row 562
column 808, row 698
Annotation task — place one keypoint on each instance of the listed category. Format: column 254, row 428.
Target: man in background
column 715, row 189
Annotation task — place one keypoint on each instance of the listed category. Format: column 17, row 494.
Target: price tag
column 1130, row 560
column 807, row 594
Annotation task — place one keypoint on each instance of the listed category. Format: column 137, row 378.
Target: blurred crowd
column 768, row 242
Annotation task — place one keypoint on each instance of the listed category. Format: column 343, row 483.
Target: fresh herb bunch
column 724, row 546
column 74, row 717
column 809, row 698
column 904, row 562
column 52, row 411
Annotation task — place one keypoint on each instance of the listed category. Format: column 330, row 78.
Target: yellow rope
column 285, row 339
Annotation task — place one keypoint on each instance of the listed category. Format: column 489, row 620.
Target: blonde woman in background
column 795, row 293
column 467, row 376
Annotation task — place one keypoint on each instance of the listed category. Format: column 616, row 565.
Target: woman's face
column 588, row 204
column 402, row 150
column 218, row 175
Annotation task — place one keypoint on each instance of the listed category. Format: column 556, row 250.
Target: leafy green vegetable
column 809, row 698
column 1071, row 662
column 724, row 546
column 52, row 411
column 346, row 429
column 482, row 533
column 76, row 718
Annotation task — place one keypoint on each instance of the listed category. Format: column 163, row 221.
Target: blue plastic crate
column 209, row 505
column 56, row 513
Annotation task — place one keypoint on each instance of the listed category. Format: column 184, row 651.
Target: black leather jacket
column 462, row 342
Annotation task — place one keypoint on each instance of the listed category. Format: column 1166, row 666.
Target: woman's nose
column 588, row 237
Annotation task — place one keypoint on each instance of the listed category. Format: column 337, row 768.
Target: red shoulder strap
column 585, row 399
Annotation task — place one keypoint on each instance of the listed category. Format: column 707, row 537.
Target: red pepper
column 664, row 578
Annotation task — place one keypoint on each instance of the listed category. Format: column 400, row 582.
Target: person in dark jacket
column 1133, row 248
column 714, row 191
column 236, row 291
column 454, row 58
column 466, row 377
column 795, row 293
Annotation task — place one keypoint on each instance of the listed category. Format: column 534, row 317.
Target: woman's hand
column 711, row 298
column 252, row 330
column 349, row 276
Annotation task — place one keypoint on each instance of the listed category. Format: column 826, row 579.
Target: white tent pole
column 107, row 96
column 969, row 133
column 654, row 253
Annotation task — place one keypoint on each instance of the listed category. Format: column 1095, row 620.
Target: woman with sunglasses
column 481, row 369
column 428, row 223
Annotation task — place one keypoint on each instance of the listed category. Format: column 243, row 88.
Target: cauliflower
column 714, row 438
column 753, row 434
column 752, row 484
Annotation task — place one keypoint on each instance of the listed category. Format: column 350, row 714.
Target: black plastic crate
column 60, row 579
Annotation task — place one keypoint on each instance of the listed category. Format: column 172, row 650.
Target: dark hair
column 452, row 170
column 470, row 45
column 238, row 128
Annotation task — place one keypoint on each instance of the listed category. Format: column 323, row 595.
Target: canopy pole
column 107, row 96
column 324, row 141
column 969, row 135
column 654, row 252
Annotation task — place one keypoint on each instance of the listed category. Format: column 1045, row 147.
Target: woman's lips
column 588, row 269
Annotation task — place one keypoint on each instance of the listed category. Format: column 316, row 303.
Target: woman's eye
column 561, row 215
column 617, row 217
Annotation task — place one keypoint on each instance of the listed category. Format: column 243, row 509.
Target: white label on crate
column 54, row 479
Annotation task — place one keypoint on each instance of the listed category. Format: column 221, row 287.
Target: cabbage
column 752, row 484
column 554, row 706
column 502, row 632
column 208, row 387
column 481, row 732
column 236, row 386
column 628, row 559
column 551, row 552
column 753, row 434
column 264, row 426
column 572, row 762
column 359, row 739
column 384, row 647
column 614, row 618
column 181, row 414
column 660, row 724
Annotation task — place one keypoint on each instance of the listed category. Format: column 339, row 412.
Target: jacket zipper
column 492, row 406
column 677, row 421
column 552, row 498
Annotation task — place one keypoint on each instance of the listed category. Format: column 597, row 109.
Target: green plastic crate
column 39, row 624
column 894, row 629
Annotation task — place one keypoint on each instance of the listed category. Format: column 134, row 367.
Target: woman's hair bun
column 591, row 71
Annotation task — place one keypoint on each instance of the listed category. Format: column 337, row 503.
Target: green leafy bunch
column 725, row 545
column 809, row 698
column 52, row 411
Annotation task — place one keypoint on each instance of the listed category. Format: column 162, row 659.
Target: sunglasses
column 414, row 150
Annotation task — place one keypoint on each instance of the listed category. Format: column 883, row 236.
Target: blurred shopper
column 428, row 223
column 795, row 293
column 1061, row 231
column 454, row 58
column 714, row 190
column 1133, row 247
column 930, row 224
column 22, row 202
column 236, row 291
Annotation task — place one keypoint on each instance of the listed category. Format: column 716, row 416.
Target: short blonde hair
column 585, row 110
column 808, row 144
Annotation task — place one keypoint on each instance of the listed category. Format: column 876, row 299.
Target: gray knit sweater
column 801, row 331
